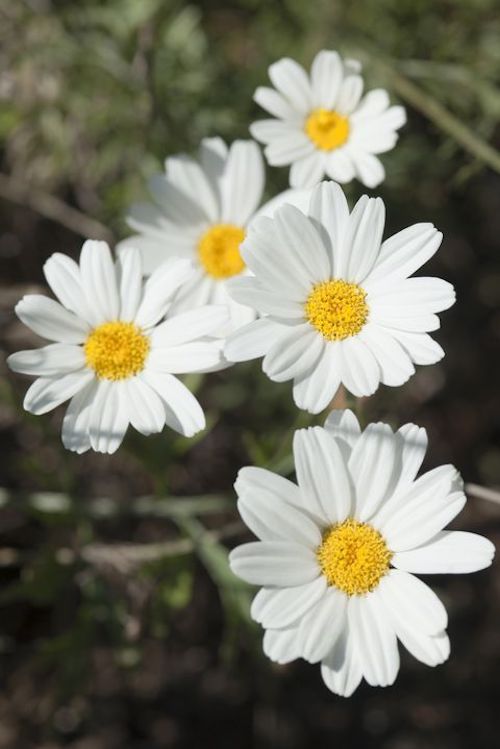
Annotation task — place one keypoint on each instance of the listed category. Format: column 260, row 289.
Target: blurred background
column 120, row 624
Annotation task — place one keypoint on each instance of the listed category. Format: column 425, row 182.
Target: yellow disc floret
column 353, row 557
column 219, row 250
column 116, row 350
column 327, row 129
column 337, row 309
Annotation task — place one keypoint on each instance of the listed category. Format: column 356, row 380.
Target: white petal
column 341, row 669
column 187, row 177
column 322, row 473
column 366, row 139
column 420, row 518
column 179, row 202
column 274, row 103
column 269, row 258
column 75, row 427
column 248, row 291
column 150, row 219
column 213, row 156
column 49, row 361
column 299, row 198
column 374, row 639
column 145, row 408
column 63, row 277
column 349, row 94
column 188, row 326
column 242, row 184
column 197, row 291
column 282, row 607
column 268, row 131
column 344, row 428
column 351, row 65
column 380, row 123
column 108, row 418
column 413, row 441
column 420, row 347
column 129, row 270
column 50, row 320
column 315, row 390
column 417, row 296
column 251, row 341
column 397, row 318
column 372, row 466
column 253, row 479
column 320, row 628
column 292, row 82
column 440, row 481
column 160, row 288
column 412, row 602
column 448, row 552
column 299, row 235
column 47, row 393
column 307, row 171
column 372, row 104
column 183, row 413
column 326, row 77
column 154, row 251
column 99, row 281
column 395, row 364
column 403, row 253
column 423, row 510
column 369, row 169
column 239, row 315
column 358, row 367
column 288, row 148
column 280, row 645
column 429, row 649
column 274, row 563
column 196, row 356
column 328, row 207
column 339, row 165
column 272, row 519
column 295, row 351
column 363, row 237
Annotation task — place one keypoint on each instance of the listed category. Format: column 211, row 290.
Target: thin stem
column 16, row 191
column 124, row 557
column 483, row 492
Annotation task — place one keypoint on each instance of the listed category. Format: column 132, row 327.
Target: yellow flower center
column 116, row 350
column 337, row 309
column 219, row 250
column 353, row 557
column 327, row 129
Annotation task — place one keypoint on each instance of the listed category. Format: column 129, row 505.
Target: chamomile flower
column 201, row 211
column 112, row 354
column 338, row 304
column 338, row 551
column 323, row 124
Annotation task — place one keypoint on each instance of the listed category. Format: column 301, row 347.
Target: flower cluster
column 213, row 277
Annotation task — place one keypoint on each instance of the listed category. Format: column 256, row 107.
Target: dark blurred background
column 120, row 624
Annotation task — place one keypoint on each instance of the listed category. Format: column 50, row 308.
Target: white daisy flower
column 111, row 354
column 323, row 125
column 339, row 305
column 201, row 211
column 337, row 552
